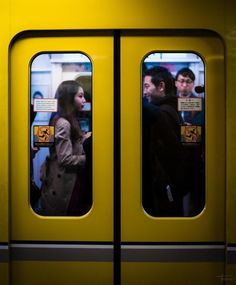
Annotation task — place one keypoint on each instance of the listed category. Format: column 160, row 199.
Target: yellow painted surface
column 230, row 274
column 4, row 146
column 97, row 224
column 136, row 224
column 230, row 37
column 152, row 273
column 115, row 14
column 61, row 273
column 4, row 181
column 4, row 277
column 18, row 16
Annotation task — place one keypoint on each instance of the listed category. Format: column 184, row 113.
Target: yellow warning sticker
column 191, row 134
column 43, row 136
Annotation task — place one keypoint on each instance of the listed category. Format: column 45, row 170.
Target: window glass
column 61, row 134
column 173, row 134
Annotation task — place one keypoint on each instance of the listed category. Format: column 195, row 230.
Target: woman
column 61, row 172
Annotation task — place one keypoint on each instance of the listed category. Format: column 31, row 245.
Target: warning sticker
column 189, row 104
column 43, row 136
column 45, row 105
column 191, row 134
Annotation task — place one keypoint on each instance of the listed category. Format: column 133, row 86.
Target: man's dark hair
column 159, row 74
column 186, row 72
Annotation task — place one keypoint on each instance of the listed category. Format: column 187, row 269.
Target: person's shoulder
column 194, row 96
column 169, row 102
column 62, row 123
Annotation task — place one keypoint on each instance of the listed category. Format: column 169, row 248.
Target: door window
column 173, row 140
column 61, row 134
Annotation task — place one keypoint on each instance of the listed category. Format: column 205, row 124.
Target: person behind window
column 37, row 95
column 61, row 174
column 184, row 82
column 195, row 170
column 161, row 153
column 34, row 190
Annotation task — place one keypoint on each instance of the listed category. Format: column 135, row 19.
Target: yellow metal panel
column 61, row 273
column 4, row 139
column 136, row 224
column 151, row 273
column 230, row 274
column 97, row 224
column 4, row 278
column 4, row 35
column 230, row 38
column 4, row 182
column 105, row 14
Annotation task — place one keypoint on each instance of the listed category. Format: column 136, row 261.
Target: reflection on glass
column 61, row 134
column 173, row 135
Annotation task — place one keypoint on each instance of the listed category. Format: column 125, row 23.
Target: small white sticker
column 45, row 105
column 189, row 104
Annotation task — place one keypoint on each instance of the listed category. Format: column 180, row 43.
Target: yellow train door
column 152, row 249
column 58, row 249
column 162, row 249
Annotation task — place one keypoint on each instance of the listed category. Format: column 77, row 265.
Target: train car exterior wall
column 27, row 19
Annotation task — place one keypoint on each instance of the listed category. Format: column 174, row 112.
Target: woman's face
column 79, row 99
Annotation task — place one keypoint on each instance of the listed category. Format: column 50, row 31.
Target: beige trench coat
column 60, row 170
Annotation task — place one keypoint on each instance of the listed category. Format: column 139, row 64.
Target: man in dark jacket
column 163, row 184
column 184, row 82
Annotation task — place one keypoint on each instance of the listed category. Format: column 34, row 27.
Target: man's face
column 150, row 91
column 184, row 85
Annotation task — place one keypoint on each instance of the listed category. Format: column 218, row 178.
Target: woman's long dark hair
column 65, row 94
